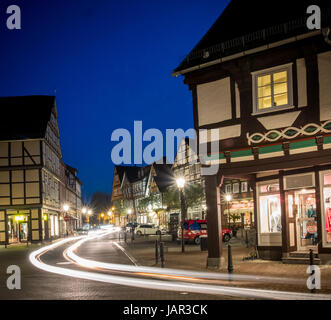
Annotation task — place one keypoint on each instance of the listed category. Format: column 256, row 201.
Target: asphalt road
column 40, row 285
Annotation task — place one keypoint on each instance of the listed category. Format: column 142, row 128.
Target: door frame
column 291, row 220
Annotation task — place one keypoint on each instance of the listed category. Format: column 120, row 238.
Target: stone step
column 298, row 260
column 302, row 255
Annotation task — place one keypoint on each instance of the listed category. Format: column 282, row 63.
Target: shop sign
column 246, row 205
column 66, row 218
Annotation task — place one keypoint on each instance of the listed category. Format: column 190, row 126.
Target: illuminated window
column 269, row 208
column 272, row 89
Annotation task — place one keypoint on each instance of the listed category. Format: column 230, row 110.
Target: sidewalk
column 194, row 259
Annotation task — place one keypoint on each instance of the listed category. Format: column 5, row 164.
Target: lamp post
column 110, row 213
column 228, row 198
column 129, row 211
column 204, row 208
column 181, row 184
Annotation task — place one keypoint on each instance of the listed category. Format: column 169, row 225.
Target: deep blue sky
column 110, row 64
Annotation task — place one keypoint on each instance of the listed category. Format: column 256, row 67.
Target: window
column 244, row 187
column 236, row 188
column 269, row 208
column 326, row 210
column 272, row 89
column 228, row 188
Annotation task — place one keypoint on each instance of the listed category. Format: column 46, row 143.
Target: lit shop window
column 269, row 208
column 327, row 206
column 273, row 89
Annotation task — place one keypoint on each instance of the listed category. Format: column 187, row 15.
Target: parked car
column 147, row 229
column 82, row 231
column 193, row 229
column 130, row 225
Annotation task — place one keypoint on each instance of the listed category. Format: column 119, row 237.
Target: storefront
column 240, row 213
column 18, row 229
column 294, row 213
column 325, row 178
column 50, row 224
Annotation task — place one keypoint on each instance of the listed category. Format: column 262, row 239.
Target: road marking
column 65, row 262
column 133, row 260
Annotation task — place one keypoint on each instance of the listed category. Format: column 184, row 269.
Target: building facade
column 137, row 193
column 187, row 165
column 30, row 170
column 266, row 92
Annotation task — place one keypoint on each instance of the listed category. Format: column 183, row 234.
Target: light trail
column 163, row 285
column 70, row 254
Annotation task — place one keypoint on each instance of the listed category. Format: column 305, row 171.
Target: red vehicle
column 193, row 229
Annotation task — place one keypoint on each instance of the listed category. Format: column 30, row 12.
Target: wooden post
column 213, row 199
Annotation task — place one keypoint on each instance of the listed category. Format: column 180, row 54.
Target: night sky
column 110, row 63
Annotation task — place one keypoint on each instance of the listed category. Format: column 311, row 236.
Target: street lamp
column 129, row 211
column 228, row 198
column 181, row 184
column 84, row 210
column 109, row 213
column 204, row 208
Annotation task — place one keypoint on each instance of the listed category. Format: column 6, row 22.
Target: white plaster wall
column 324, row 72
column 302, row 83
column 214, row 101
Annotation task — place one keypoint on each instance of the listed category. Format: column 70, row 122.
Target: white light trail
column 165, row 285
column 70, row 253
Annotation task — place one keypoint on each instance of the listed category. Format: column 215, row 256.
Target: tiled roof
column 25, row 117
column 245, row 25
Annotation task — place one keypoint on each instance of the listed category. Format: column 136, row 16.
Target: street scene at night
column 166, row 155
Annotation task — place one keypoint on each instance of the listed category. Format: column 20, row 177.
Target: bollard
column 162, row 254
column 119, row 236
column 160, row 237
column 311, row 262
column 132, row 234
column 246, row 238
column 156, row 252
column 125, row 236
column 230, row 265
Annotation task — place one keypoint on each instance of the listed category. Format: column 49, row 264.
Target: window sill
column 258, row 113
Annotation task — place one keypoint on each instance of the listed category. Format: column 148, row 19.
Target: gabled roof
column 25, row 117
column 132, row 172
column 164, row 176
column 245, row 25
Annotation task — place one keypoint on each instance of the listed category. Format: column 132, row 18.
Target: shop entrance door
column 18, row 229
column 307, row 220
column 302, row 220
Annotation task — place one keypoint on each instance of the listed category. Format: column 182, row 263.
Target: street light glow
column 109, row 213
column 89, row 212
column 129, row 211
column 180, row 182
column 228, row 197
column 66, row 208
column 84, row 210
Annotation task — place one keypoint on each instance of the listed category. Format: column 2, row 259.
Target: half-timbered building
column 262, row 81
column 30, row 170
